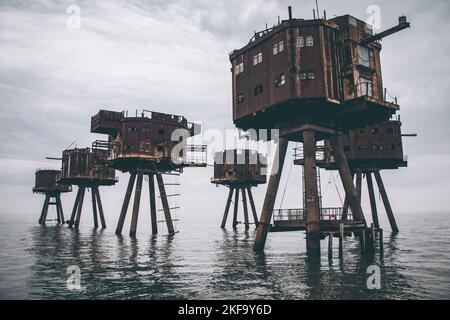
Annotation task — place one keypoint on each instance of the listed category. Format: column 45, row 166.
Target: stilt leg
column 373, row 204
column 100, row 208
column 341, row 238
column 387, row 205
column 137, row 201
column 80, row 207
column 58, row 216
column 75, row 207
column 94, row 208
column 346, row 178
column 44, row 210
column 330, row 245
column 151, row 190
column 359, row 184
column 165, row 203
column 252, row 205
column 126, row 202
column 312, row 194
column 59, row 205
column 271, row 193
column 236, row 207
column 227, row 208
column 346, row 206
column 244, row 202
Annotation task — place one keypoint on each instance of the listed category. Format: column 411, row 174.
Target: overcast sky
column 172, row 56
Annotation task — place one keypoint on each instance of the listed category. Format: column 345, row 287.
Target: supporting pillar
column 151, row 190
column 244, row 202
column 311, row 194
column 330, row 245
column 75, row 207
column 227, row 208
column 59, row 205
column 341, row 238
column 236, row 207
column 380, row 234
column 373, row 234
column 271, row 193
column 126, row 202
column 346, row 178
column 363, row 241
column 80, row 206
column 94, row 208
column 165, row 203
column 44, row 210
column 100, row 208
column 373, row 204
column 359, row 184
column 345, row 207
column 387, row 205
column 137, row 201
column 252, row 205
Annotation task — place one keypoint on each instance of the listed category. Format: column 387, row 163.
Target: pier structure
column 239, row 170
column 47, row 183
column 150, row 144
column 87, row 169
column 312, row 79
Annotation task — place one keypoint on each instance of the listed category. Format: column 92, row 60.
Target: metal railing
column 326, row 214
column 320, row 153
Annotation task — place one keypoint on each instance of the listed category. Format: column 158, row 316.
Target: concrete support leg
column 137, row 201
column 236, row 207
column 244, row 202
column 271, row 193
column 44, row 210
column 126, row 202
column 94, row 208
column 100, row 208
column 346, row 206
column 387, row 205
column 346, row 178
column 312, row 194
column 152, row 195
column 80, row 206
column 252, row 205
column 227, row 208
column 373, row 203
column 330, row 245
column 359, row 184
column 75, row 207
column 165, row 204
column 341, row 238
column 59, row 205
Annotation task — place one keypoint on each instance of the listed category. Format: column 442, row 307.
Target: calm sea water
column 204, row 262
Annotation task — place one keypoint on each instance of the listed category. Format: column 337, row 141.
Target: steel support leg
column 387, row 205
column 312, row 194
column 126, row 202
column 152, row 194
column 59, row 205
column 373, row 204
column 94, row 208
column 227, row 208
column 165, row 203
column 137, row 201
column 75, row 207
column 271, row 193
column 80, row 207
column 100, row 208
column 244, row 202
column 252, row 205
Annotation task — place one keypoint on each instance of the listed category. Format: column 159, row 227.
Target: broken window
column 300, row 42
column 240, row 97
column 280, row 80
column 258, row 90
column 278, row 47
column 303, row 75
column 239, row 68
column 309, row 41
column 365, row 87
column 363, row 56
column 257, row 58
column 311, row 75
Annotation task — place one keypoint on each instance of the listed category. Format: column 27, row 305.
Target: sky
column 172, row 57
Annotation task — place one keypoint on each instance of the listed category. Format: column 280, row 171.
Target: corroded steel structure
column 312, row 80
column 150, row 144
column 87, row 169
column 47, row 183
column 239, row 170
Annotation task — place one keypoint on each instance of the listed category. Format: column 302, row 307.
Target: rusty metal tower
column 150, row 144
column 239, row 170
column 47, row 183
column 313, row 80
column 86, row 168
